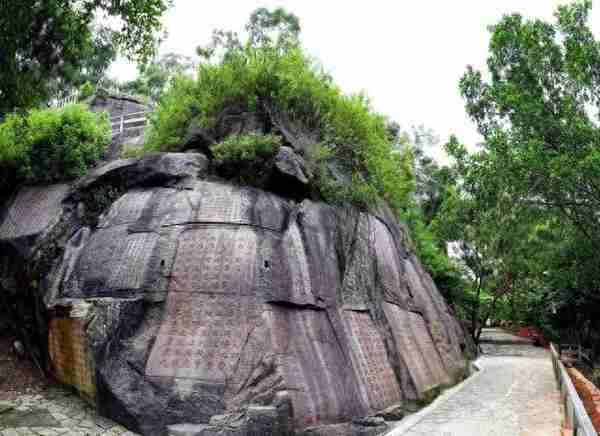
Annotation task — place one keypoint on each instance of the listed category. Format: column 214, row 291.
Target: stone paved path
column 55, row 412
column 514, row 394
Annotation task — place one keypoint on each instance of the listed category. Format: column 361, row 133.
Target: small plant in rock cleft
column 246, row 158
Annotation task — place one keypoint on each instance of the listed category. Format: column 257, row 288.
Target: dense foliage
column 51, row 145
column 265, row 75
column 525, row 205
column 48, row 46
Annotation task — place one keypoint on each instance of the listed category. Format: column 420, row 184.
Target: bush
column 235, row 149
column 253, row 77
column 51, row 145
column 246, row 158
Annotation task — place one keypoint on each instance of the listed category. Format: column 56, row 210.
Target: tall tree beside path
column 538, row 113
column 43, row 43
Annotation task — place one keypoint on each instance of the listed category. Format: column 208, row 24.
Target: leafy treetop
column 274, row 71
column 45, row 45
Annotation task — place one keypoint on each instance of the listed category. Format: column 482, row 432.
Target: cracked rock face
column 226, row 310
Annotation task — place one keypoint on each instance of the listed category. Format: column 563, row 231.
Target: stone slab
column 228, row 204
column 416, row 348
column 316, row 371
column 33, row 210
column 202, row 336
column 371, row 361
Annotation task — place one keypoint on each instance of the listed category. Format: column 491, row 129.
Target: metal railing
column 73, row 97
column 576, row 417
column 126, row 123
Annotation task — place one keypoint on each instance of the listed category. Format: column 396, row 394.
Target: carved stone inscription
column 314, row 367
column 416, row 348
column 126, row 209
column 202, row 335
column 372, row 361
column 225, row 204
column 211, row 308
column 388, row 263
column 220, row 204
column 301, row 291
column 216, row 260
column 113, row 261
column 33, row 210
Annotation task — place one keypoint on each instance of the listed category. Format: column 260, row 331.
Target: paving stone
column 515, row 394
column 71, row 416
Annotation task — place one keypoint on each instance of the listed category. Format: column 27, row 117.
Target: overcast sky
column 408, row 55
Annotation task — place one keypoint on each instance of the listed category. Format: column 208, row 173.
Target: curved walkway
column 514, row 394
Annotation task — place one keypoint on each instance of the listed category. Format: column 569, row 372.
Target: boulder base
column 214, row 309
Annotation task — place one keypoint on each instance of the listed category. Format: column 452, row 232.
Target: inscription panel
column 226, row 204
column 113, row 261
column 202, row 335
column 221, row 204
column 372, row 361
column 321, row 383
column 301, row 289
column 216, row 260
column 414, row 343
column 126, row 209
column 388, row 263
column 33, row 210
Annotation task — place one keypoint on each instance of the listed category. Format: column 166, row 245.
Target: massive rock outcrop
column 215, row 309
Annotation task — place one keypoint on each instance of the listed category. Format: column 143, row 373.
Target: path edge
column 412, row 420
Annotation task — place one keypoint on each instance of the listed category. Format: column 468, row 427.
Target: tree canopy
column 49, row 45
column 525, row 203
column 538, row 114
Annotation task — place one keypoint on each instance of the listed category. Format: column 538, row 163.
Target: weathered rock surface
column 226, row 310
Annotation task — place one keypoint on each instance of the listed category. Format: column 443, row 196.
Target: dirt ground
column 18, row 375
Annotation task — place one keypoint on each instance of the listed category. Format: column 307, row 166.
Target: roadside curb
column 412, row 420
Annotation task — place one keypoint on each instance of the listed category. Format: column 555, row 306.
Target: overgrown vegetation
column 268, row 73
column 246, row 158
column 51, row 145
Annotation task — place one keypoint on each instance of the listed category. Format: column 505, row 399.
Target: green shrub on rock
column 246, row 158
column 51, row 145
column 245, row 148
column 258, row 79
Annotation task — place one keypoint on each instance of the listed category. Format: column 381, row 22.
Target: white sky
column 407, row 55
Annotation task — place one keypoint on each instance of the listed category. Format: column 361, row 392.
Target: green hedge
column 51, row 145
